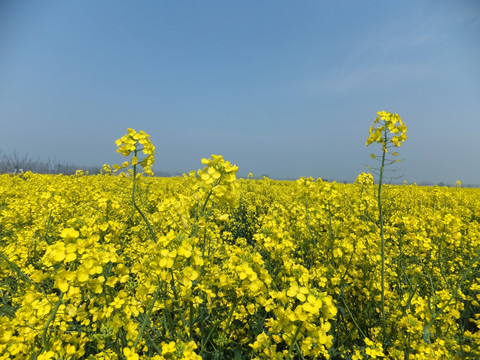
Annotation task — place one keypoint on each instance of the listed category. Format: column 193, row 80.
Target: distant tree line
column 15, row 163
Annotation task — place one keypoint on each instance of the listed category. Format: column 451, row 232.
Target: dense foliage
column 241, row 268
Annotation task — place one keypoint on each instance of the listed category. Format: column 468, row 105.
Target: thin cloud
column 361, row 77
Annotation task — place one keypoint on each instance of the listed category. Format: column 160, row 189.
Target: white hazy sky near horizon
column 279, row 88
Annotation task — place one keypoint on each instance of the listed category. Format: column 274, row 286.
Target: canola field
column 208, row 266
column 239, row 269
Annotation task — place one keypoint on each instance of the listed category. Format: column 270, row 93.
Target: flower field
column 245, row 269
column 209, row 266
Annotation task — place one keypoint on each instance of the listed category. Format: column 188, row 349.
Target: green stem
column 195, row 227
column 382, row 237
column 190, row 321
column 330, row 234
column 294, row 340
column 308, row 223
column 147, row 315
column 177, row 301
column 150, row 229
column 209, row 335
column 353, row 319
column 48, row 228
column 50, row 319
column 299, row 351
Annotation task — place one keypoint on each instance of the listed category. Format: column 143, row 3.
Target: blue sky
column 282, row 88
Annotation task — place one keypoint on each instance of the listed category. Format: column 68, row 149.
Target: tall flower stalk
column 389, row 131
column 137, row 143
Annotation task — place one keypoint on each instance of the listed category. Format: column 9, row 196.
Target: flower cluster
column 136, row 142
column 384, row 124
column 219, row 175
column 364, row 179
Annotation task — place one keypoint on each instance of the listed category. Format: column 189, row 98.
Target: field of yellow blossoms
column 209, row 266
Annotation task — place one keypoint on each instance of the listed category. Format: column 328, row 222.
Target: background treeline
column 14, row 163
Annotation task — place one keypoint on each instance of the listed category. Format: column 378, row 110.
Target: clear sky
column 284, row 88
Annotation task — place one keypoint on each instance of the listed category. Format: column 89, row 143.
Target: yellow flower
column 387, row 123
column 168, row 348
column 63, row 279
column 130, row 354
column 46, row 355
column 374, row 349
column 189, row 274
column 138, row 143
column 55, row 253
column 82, row 274
column 298, row 292
column 69, row 233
